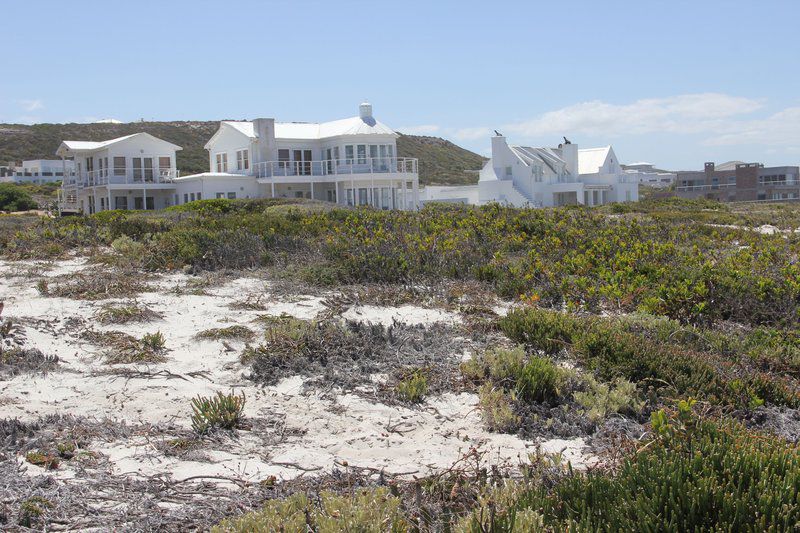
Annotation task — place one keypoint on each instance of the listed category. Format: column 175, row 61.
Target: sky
column 675, row 83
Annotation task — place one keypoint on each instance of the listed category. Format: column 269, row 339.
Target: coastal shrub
column 364, row 511
column 601, row 399
column 501, row 365
column 126, row 313
column 413, row 387
column 236, row 332
column 15, row 198
column 540, row 380
column 222, row 411
column 497, row 408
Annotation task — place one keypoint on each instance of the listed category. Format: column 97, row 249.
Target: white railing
column 127, row 176
column 705, row 187
column 337, row 167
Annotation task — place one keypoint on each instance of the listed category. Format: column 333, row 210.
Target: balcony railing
column 337, row 167
column 123, row 176
column 705, row 187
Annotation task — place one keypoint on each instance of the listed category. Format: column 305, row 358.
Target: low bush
column 365, row 511
column 236, row 332
column 223, row 411
column 602, row 399
column 413, row 387
column 539, row 381
column 500, row 365
column 497, row 408
column 126, row 313
column 15, row 198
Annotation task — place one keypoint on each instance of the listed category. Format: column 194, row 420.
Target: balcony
column 123, row 176
column 336, row 168
column 705, row 187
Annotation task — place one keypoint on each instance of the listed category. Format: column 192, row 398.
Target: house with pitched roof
column 546, row 177
column 352, row 162
column 131, row 172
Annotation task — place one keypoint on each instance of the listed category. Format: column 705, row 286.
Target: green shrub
column 540, row 380
column 15, row 198
column 497, row 408
column 413, row 387
column 602, row 399
column 45, row 460
column 236, row 332
column 546, row 331
column 365, row 511
column 500, row 365
column 223, row 411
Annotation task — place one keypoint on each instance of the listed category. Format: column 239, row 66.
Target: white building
column 132, row 172
column 647, row 174
column 545, row 177
column 39, row 171
column 352, row 161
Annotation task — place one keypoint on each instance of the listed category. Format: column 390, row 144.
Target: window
column 332, row 196
column 348, row 154
column 220, row 195
column 222, row 162
column 390, row 148
column 120, row 202
column 362, row 154
column 298, row 194
column 191, row 197
column 148, row 169
column 349, row 196
column 199, row 196
column 185, row 198
column 373, row 154
column 164, row 166
column 336, row 153
column 137, row 168
column 283, row 158
column 362, row 196
column 119, row 166
column 231, row 196
column 176, row 199
column 242, row 160
column 509, row 171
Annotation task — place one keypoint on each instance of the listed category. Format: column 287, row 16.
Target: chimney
column 365, row 111
column 499, row 146
column 264, row 144
column 709, row 168
column 569, row 153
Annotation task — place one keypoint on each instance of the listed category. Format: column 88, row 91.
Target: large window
column 137, row 169
column 164, row 166
column 231, row 196
column 283, row 158
column 148, row 169
column 222, row 162
column 362, row 154
column 242, row 160
column 348, row 154
column 119, row 166
column 120, row 202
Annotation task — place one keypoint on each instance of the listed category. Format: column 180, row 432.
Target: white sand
column 357, row 432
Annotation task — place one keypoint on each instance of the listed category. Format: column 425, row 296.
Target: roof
column 591, row 159
column 728, row 165
column 203, row 175
column 314, row 130
column 80, row 146
column 548, row 156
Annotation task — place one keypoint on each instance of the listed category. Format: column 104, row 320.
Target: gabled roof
column 591, row 159
column 87, row 146
column 313, row 130
column 547, row 156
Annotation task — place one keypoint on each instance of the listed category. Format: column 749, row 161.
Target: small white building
column 39, row 171
column 546, row 177
column 132, row 172
column 647, row 174
column 352, row 161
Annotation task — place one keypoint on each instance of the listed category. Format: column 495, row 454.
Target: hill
column 441, row 161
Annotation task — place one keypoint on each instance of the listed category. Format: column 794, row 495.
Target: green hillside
column 441, row 162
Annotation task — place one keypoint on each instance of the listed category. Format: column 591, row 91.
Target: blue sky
column 672, row 82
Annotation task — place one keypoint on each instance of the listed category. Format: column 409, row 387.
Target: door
column 302, row 162
column 329, row 161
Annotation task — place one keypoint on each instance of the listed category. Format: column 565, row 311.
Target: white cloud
column 688, row 113
column 778, row 129
column 31, row 105
column 422, row 129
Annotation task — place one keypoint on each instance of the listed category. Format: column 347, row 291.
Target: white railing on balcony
column 125, row 176
column 337, row 167
column 705, row 187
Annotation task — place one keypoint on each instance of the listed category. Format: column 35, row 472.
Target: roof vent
column 365, row 110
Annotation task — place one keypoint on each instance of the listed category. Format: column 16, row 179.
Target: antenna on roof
column 566, row 141
column 498, row 133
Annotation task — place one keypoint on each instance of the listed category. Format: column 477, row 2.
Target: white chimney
column 365, row 110
column 265, row 149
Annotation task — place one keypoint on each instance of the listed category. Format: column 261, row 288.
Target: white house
column 352, row 161
column 545, row 177
column 39, row 171
column 647, row 174
column 132, row 172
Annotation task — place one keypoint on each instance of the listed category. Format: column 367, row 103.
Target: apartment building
column 647, row 174
column 738, row 182
column 38, row 171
